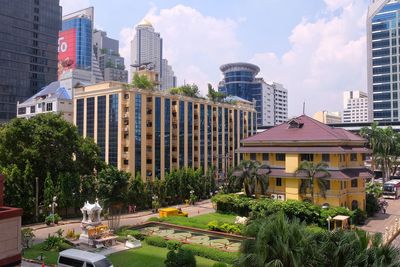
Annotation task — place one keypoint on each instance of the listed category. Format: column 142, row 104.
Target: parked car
column 80, row 258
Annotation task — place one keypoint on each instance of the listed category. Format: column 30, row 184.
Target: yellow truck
column 171, row 212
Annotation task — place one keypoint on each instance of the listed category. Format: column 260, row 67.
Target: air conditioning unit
column 281, row 197
column 274, row 196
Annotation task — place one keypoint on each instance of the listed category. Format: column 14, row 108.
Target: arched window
column 354, row 205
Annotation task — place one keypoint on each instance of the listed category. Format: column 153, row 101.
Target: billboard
column 66, row 51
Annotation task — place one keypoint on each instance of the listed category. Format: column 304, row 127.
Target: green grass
column 148, row 256
column 200, row 221
column 50, row 257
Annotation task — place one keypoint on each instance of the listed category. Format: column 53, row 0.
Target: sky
column 315, row 48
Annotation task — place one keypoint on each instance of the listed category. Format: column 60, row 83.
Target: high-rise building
column 327, row 117
column 106, row 51
column 355, row 106
column 76, row 60
column 28, row 50
column 382, row 52
column 153, row 132
column 147, row 50
column 271, row 100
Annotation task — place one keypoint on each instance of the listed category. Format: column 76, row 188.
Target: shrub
column 156, row 241
column 124, row 232
column 173, row 244
column 49, row 219
column 225, row 227
column 211, row 253
column 213, row 225
column 54, row 243
column 372, row 205
column 220, row 264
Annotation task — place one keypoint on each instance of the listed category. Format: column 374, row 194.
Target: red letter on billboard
column 66, row 51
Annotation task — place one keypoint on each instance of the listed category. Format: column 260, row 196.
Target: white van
column 80, row 258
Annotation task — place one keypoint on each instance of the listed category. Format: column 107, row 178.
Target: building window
column 306, row 157
column 353, row 157
column 265, row 156
column 354, row 205
column 325, row 157
column 328, row 184
column 21, row 111
column 126, row 96
column 126, row 162
column 253, row 156
column 278, row 181
column 280, row 157
column 49, row 106
column 354, row 183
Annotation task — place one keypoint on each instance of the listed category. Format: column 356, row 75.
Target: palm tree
column 253, row 176
column 142, row 82
column 214, row 95
column 313, row 172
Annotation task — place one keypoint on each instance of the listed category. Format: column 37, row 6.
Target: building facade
column 327, row 117
column 382, row 54
column 106, row 51
column 355, row 107
column 152, row 132
column 77, row 62
column 271, row 100
column 147, row 50
column 51, row 99
column 28, row 50
column 285, row 146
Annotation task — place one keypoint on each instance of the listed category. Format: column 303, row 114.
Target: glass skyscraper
column 270, row 100
column 28, row 50
column 383, row 40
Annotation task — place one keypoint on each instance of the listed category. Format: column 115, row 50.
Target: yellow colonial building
column 285, row 146
column 153, row 132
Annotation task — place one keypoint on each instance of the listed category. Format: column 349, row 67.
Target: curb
column 37, row 262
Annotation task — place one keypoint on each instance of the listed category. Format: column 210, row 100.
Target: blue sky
column 315, row 48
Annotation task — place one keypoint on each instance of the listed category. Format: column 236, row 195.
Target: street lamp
column 52, row 206
column 329, row 222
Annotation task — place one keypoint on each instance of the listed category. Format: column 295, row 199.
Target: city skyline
column 318, row 51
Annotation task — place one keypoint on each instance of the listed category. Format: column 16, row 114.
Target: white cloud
column 327, row 56
column 70, row 6
column 194, row 44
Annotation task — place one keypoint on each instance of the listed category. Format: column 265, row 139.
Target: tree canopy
column 142, row 82
column 190, row 90
column 214, row 95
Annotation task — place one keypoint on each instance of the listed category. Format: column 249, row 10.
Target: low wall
column 10, row 236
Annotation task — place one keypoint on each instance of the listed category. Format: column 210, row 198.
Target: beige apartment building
column 153, row 132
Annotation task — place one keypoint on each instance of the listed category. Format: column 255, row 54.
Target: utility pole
column 37, row 198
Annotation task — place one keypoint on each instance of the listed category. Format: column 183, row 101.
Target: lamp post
column 329, row 222
column 52, row 206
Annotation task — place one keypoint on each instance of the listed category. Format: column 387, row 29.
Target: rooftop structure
column 285, row 146
column 328, row 117
column 355, row 106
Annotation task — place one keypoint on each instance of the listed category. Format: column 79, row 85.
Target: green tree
column 142, row 82
column 214, row 95
column 314, row 173
column 113, row 185
column 190, row 90
column 136, row 191
column 253, row 176
column 49, row 190
column 278, row 242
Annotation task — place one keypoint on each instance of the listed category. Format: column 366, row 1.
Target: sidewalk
column 42, row 230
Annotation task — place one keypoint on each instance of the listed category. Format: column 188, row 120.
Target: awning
column 345, row 174
column 325, row 150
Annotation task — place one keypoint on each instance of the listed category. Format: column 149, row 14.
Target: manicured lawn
column 50, row 257
column 148, row 256
column 200, row 221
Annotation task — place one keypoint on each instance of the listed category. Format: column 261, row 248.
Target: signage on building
column 66, row 51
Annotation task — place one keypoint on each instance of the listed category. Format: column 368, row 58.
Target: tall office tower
column 153, row 132
column 355, row 106
column 382, row 52
column 106, row 51
column 28, row 50
column 270, row 99
column 147, row 50
column 76, row 60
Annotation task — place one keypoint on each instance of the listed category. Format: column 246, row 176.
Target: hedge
column 307, row 212
column 199, row 250
column 211, row 253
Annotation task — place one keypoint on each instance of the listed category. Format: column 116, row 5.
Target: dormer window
column 295, row 124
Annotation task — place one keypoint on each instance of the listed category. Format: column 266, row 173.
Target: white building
column 53, row 98
column 147, row 50
column 328, row 117
column 355, row 106
column 280, row 103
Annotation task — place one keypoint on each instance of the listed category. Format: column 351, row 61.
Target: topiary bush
column 211, row 253
column 156, row 241
column 219, row 264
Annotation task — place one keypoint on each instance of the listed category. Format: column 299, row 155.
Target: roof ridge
column 324, row 127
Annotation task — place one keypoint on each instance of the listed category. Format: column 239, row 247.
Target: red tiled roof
column 309, row 130
column 303, row 149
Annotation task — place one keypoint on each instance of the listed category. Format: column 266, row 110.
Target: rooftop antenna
column 304, row 108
